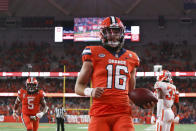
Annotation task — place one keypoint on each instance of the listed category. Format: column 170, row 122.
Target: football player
column 166, row 91
column 31, row 98
column 112, row 70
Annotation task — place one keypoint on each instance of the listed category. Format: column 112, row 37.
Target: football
column 142, row 96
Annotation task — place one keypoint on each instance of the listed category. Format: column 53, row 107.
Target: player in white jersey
column 165, row 94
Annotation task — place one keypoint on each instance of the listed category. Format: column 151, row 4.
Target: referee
column 60, row 114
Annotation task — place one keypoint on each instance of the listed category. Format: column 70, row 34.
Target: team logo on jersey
column 101, row 55
column 130, row 55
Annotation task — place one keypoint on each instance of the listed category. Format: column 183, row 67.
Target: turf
column 83, row 127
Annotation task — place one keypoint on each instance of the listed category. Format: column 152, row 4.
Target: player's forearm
column 79, row 89
column 132, row 84
column 154, row 110
column 45, row 109
column 177, row 107
column 132, row 81
column 83, row 78
column 16, row 105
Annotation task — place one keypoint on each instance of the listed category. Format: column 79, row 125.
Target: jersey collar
column 113, row 52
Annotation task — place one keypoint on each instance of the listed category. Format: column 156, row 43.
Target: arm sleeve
column 42, row 94
column 87, row 54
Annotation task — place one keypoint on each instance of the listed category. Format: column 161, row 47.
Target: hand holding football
column 142, row 96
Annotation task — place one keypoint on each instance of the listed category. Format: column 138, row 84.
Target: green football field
column 83, row 127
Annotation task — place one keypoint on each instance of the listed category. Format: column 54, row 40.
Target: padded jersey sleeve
column 42, row 94
column 137, row 60
column 87, row 54
column 157, row 85
column 161, row 86
column 134, row 58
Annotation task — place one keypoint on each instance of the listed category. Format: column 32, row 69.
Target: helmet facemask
column 112, row 32
column 113, row 37
column 31, row 85
column 31, row 88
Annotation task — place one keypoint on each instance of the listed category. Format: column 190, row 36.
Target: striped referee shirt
column 59, row 112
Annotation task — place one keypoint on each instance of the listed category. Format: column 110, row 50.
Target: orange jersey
column 30, row 102
column 111, row 71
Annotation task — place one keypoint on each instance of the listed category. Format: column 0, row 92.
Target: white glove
column 176, row 119
column 153, row 120
column 33, row 118
column 15, row 115
column 39, row 115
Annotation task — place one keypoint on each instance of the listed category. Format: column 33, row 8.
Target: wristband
column 88, row 91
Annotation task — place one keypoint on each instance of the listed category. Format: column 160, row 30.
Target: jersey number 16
column 119, row 79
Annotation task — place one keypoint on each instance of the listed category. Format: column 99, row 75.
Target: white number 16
column 118, row 77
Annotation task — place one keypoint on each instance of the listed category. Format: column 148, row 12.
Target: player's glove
column 15, row 115
column 176, row 119
column 40, row 114
column 153, row 120
column 33, row 118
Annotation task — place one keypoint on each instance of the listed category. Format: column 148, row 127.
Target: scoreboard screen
column 87, row 30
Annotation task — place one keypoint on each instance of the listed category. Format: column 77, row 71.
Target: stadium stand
column 178, row 57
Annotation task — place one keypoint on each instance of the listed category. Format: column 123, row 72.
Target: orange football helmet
column 165, row 75
column 112, row 32
column 31, row 85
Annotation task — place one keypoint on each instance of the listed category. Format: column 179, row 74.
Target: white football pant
column 164, row 121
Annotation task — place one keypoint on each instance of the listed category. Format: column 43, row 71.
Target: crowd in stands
column 44, row 57
column 51, row 85
column 173, row 56
column 47, row 57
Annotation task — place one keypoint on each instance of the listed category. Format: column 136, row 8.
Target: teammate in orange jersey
column 31, row 98
column 112, row 70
